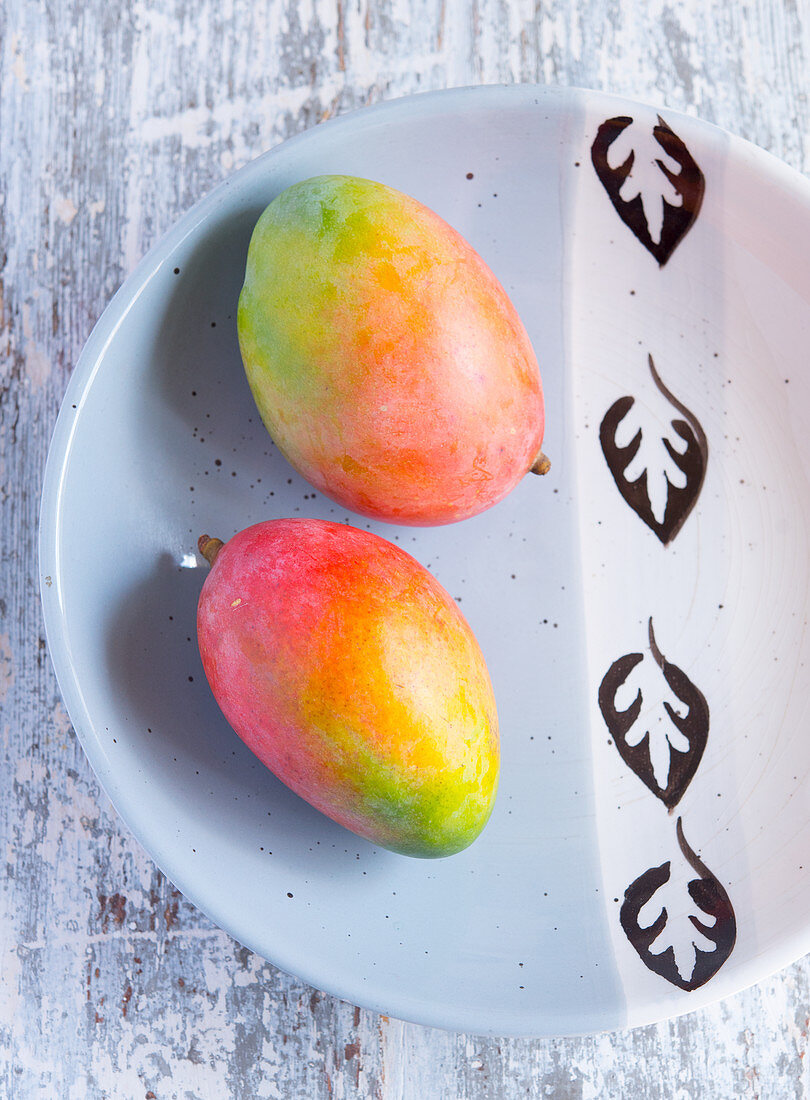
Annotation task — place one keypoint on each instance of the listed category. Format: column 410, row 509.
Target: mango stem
column 209, row 548
column 541, row 465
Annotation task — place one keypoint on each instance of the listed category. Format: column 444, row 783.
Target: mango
column 385, row 358
column 349, row 671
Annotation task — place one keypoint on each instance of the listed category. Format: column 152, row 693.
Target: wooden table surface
column 115, row 118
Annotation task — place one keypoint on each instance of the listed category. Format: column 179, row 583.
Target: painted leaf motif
column 666, row 756
column 660, row 224
column 712, row 935
column 680, row 469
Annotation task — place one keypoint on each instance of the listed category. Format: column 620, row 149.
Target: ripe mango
column 385, row 358
column 349, row 671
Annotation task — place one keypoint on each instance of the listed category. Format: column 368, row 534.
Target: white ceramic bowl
column 696, row 333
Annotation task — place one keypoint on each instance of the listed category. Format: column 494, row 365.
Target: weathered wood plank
column 115, row 118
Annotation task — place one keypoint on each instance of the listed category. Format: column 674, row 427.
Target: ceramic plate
column 643, row 608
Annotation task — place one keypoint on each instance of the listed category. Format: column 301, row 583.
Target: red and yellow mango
column 349, row 671
column 385, row 358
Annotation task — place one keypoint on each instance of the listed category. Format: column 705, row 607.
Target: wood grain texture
column 115, row 118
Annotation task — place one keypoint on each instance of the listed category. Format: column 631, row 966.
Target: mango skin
column 349, row 671
column 385, row 358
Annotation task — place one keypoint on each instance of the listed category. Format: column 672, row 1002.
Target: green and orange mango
column 349, row 671
column 385, row 358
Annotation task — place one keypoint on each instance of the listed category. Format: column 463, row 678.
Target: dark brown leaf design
column 710, row 899
column 692, row 463
column 689, row 184
column 691, row 729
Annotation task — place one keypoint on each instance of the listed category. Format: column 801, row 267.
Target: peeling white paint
column 11, row 970
column 18, row 67
column 133, row 939
column 37, row 361
column 6, row 666
column 65, row 209
column 60, row 719
column 37, row 365
column 30, row 770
